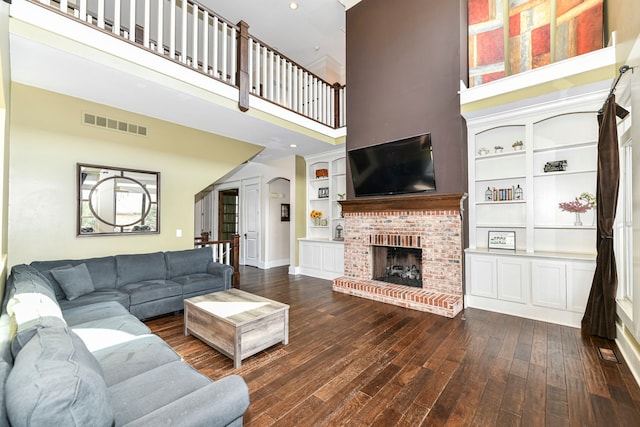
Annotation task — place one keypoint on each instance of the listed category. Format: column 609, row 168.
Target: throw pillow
column 55, row 380
column 75, row 281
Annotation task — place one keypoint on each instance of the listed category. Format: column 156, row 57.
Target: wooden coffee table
column 236, row 323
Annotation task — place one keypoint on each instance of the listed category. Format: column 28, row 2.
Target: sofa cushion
column 56, row 381
column 128, row 359
column 90, row 312
column 29, row 312
column 190, row 261
column 102, row 270
column 101, row 295
column 102, row 333
column 196, row 284
column 141, row 267
column 151, row 290
column 153, row 389
column 75, row 281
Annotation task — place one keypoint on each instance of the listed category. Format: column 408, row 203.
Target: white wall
column 48, row 139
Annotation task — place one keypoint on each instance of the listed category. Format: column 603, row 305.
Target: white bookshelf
column 321, row 255
column 548, row 275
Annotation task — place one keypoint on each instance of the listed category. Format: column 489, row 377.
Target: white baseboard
column 277, row 263
column 630, row 350
column 561, row 317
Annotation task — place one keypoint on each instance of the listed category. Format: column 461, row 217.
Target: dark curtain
column 600, row 316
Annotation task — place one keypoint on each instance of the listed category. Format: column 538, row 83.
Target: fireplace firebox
column 397, row 265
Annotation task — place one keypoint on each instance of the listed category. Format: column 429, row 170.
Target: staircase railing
column 194, row 36
column 224, row 252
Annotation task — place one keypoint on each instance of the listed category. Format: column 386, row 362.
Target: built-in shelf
column 548, row 274
column 320, row 254
column 499, row 202
column 565, row 147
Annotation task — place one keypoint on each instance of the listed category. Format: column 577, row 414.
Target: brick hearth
column 431, row 223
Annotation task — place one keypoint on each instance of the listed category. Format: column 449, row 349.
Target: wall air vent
column 113, row 124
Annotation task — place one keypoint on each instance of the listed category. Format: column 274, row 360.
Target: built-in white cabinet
column 523, row 162
column 322, row 250
column 538, row 287
column 323, row 259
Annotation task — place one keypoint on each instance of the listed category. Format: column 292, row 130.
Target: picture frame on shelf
column 555, row 166
column 323, row 192
column 502, row 240
column 285, row 208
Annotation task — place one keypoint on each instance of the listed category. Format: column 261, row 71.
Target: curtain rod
column 621, row 112
column 622, row 70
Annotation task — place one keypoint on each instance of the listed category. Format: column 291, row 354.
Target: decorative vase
column 316, row 221
column 578, row 222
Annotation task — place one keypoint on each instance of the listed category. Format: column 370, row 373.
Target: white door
column 251, row 212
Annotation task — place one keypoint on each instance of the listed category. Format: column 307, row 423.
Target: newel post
column 236, row 261
column 243, row 66
column 336, row 104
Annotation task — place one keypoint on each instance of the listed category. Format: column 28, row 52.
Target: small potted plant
column 577, row 207
column 498, row 148
column 316, row 216
column 517, row 145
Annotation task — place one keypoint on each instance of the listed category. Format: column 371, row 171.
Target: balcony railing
column 189, row 33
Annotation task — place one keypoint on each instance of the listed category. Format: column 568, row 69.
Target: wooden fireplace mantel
column 423, row 202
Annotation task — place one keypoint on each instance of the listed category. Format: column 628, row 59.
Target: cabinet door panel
column 311, row 255
column 513, row 280
column 328, row 258
column 549, row 287
column 483, row 277
column 579, row 278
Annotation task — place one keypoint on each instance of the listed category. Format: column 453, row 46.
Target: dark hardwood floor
column 356, row 362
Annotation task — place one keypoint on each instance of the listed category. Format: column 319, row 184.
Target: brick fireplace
column 429, row 223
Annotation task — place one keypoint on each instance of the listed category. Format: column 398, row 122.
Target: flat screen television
column 396, row 167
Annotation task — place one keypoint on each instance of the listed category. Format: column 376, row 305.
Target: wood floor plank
column 534, row 408
column 592, row 369
column 357, row 362
column 579, row 403
column 557, row 408
column 490, row 404
column 539, row 344
column 513, row 398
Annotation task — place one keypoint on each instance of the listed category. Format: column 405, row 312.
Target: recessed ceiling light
column 293, row 5
column 293, row 145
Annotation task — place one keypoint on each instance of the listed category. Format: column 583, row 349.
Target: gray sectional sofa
column 147, row 285
column 75, row 356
